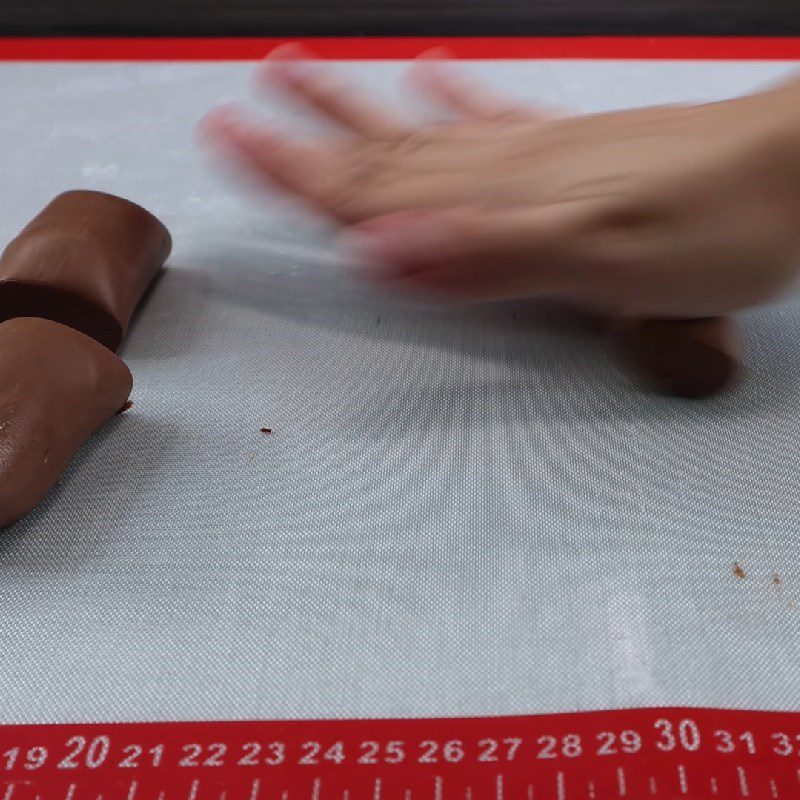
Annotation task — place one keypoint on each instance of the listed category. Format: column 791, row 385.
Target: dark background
column 393, row 17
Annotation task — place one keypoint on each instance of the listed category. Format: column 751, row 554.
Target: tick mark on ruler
column 132, row 790
column 9, row 792
column 561, row 792
column 622, row 784
column 438, row 788
column 714, row 787
column 407, row 795
column 376, row 792
column 255, row 789
column 530, row 792
column 70, row 792
column 743, row 787
column 193, row 789
column 682, row 779
column 316, row 789
column 346, row 794
column 500, row 788
column 590, row 789
column 773, row 787
column 653, row 787
column 468, row 793
column 161, row 795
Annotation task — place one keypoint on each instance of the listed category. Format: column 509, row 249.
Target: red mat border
column 733, row 48
column 684, row 751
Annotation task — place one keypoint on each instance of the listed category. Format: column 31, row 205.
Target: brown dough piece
column 57, row 387
column 84, row 261
column 681, row 357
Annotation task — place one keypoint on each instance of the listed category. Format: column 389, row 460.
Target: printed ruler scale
column 638, row 754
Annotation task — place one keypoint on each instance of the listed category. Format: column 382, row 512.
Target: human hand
column 664, row 212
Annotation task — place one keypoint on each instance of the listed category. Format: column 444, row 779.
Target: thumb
column 496, row 252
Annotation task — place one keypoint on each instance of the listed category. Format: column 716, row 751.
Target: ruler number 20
column 93, row 755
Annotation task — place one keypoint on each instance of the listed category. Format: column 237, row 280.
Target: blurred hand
column 662, row 212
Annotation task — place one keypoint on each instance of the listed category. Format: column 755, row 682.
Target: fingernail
column 367, row 259
column 291, row 62
column 291, row 51
column 215, row 126
column 436, row 54
column 396, row 246
column 362, row 250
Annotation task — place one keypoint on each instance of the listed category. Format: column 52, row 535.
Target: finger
column 505, row 253
column 288, row 67
column 349, row 184
column 465, row 96
column 295, row 167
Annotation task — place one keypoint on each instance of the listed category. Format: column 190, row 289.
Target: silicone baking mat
column 459, row 512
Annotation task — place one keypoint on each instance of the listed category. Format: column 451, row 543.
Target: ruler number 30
column 687, row 735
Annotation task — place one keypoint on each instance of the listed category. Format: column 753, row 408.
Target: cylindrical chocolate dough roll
column 84, row 261
column 57, row 387
column 681, row 357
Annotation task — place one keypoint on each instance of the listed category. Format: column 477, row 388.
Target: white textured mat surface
column 458, row 512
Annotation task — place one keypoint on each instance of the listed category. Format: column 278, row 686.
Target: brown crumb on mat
column 776, row 579
column 127, row 407
column 266, row 430
column 738, row 571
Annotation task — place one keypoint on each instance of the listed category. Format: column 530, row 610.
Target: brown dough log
column 57, row 387
column 681, row 357
column 84, row 261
